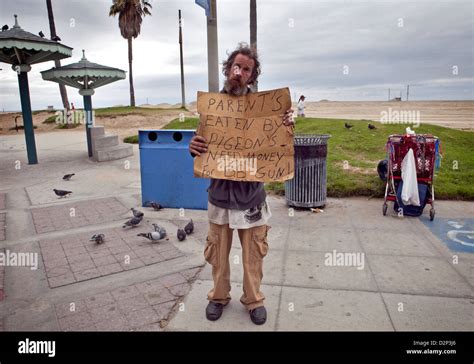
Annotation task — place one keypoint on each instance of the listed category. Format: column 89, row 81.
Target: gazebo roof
column 18, row 46
column 82, row 72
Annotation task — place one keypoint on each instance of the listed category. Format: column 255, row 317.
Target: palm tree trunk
column 130, row 73
column 253, row 31
column 57, row 63
column 62, row 89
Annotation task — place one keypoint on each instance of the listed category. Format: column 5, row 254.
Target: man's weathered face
column 239, row 75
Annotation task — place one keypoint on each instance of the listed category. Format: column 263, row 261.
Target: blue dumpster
column 166, row 169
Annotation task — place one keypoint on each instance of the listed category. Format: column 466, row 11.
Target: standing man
column 237, row 205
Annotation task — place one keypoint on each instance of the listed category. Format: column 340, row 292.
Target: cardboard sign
column 247, row 140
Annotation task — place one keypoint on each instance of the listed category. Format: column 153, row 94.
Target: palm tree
column 57, row 63
column 131, row 13
column 253, row 31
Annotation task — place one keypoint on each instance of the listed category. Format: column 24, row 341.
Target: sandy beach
column 122, row 125
column 452, row 114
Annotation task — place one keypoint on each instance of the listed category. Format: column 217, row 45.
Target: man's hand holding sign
column 245, row 138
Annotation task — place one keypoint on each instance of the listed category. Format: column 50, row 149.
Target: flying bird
column 41, row 34
column 61, row 193
column 67, row 177
column 371, row 127
column 137, row 213
column 181, row 235
column 134, row 221
column 153, row 236
column 189, row 228
column 98, row 238
column 5, row 27
column 348, row 126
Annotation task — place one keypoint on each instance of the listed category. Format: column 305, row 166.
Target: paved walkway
column 347, row 268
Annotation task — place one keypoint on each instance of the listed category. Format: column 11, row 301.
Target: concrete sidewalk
column 409, row 275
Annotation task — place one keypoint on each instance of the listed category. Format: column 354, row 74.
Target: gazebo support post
column 89, row 119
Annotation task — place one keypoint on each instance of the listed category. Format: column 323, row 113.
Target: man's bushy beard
column 235, row 88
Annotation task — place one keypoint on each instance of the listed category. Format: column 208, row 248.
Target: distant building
column 396, row 99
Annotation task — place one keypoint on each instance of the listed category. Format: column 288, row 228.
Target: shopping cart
column 426, row 150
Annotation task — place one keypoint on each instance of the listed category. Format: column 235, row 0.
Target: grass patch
column 40, row 111
column 128, row 110
column 133, row 139
column 278, row 188
column 68, row 126
column 188, row 123
column 363, row 149
column 50, row 120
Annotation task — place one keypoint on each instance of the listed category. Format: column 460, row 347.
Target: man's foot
column 258, row 315
column 214, row 311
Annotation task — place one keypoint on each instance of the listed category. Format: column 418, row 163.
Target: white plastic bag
column 410, row 184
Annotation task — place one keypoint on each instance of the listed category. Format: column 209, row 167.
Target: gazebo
column 21, row 49
column 86, row 76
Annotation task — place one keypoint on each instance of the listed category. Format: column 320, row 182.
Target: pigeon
column 189, row 228
column 134, row 221
column 56, row 38
column 371, row 127
column 181, row 235
column 154, row 204
column 41, row 34
column 5, row 27
column 153, row 236
column 98, row 238
column 348, row 126
column 137, row 213
column 159, row 229
column 67, row 177
column 61, row 193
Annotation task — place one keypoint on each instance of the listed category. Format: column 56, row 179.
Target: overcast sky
column 336, row 50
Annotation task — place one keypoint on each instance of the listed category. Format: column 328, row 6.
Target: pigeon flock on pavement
column 156, row 235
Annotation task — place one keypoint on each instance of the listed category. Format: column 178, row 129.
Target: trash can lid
column 311, row 139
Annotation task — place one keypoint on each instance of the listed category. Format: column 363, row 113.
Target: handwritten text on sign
column 246, row 136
